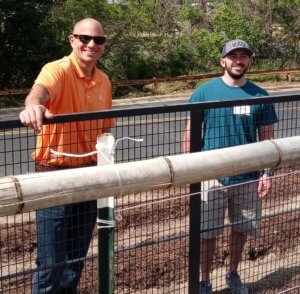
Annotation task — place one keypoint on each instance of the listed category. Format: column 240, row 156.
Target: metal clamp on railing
column 107, row 223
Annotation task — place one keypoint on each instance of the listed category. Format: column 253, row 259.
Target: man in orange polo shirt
column 69, row 85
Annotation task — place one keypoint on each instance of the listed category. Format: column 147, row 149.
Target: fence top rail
column 146, row 110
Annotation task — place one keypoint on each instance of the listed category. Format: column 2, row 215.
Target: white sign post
column 105, row 221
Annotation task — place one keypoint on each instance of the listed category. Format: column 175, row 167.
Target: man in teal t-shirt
column 225, row 127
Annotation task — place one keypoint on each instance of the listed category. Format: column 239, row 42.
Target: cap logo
column 238, row 43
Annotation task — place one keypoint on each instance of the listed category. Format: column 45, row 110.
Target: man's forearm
column 265, row 133
column 187, row 137
column 37, row 96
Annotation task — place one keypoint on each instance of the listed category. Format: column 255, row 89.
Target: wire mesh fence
column 155, row 231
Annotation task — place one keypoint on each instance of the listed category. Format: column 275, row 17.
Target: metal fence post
column 105, row 222
column 195, row 207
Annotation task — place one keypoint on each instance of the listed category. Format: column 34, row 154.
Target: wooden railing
column 155, row 81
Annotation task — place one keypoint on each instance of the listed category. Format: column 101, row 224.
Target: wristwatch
column 268, row 172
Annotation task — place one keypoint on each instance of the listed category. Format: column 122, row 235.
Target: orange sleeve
column 52, row 78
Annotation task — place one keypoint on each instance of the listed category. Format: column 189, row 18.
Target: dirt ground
column 270, row 264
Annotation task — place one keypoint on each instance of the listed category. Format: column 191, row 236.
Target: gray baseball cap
column 236, row 44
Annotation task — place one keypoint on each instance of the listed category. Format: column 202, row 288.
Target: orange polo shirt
column 70, row 92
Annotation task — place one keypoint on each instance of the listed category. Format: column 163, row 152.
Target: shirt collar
column 96, row 74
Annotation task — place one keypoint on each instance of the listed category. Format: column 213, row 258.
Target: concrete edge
column 8, row 112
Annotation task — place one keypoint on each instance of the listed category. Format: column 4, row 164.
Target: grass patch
column 11, row 101
column 267, row 78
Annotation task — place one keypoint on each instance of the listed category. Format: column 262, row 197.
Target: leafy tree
column 232, row 23
column 26, row 40
column 272, row 27
column 146, row 38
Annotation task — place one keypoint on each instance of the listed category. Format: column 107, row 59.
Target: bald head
column 88, row 43
column 87, row 25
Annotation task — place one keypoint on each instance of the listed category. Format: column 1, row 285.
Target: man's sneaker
column 205, row 288
column 234, row 283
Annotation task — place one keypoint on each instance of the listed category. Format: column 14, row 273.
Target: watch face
column 268, row 172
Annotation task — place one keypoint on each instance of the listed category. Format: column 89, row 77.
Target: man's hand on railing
column 35, row 109
column 32, row 116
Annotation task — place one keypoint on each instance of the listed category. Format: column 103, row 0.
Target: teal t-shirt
column 236, row 125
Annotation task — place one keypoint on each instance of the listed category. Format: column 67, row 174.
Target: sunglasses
column 99, row 40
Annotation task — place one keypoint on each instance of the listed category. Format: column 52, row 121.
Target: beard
column 236, row 76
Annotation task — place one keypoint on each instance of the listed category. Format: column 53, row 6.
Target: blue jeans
column 63, row 236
